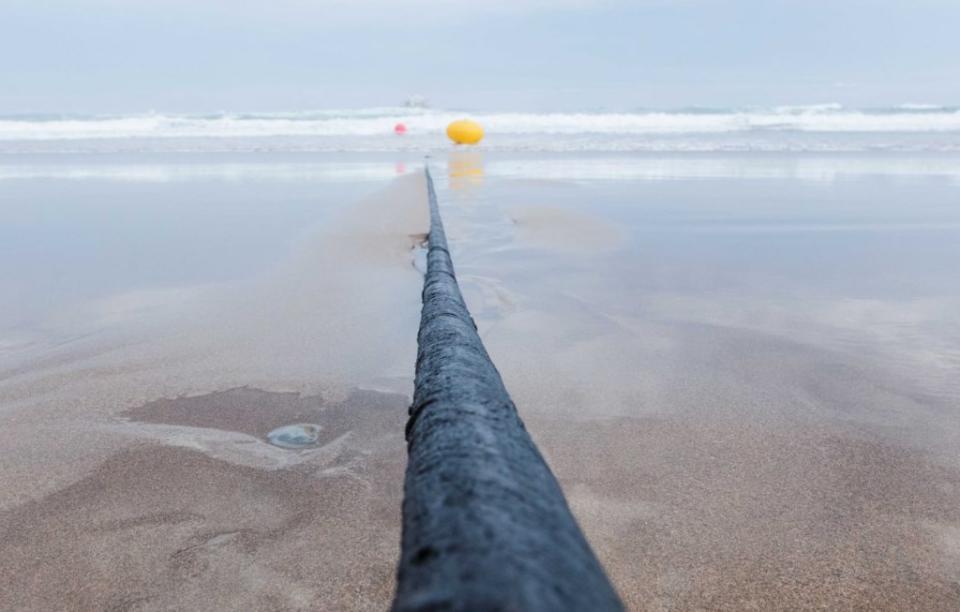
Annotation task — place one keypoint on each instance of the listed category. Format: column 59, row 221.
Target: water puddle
column 293, row 437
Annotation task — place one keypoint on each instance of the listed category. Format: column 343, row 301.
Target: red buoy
column 400, row 129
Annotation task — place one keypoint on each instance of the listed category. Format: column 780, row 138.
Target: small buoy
column 465, row 131
column 400, row 129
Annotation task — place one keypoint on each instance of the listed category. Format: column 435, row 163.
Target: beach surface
column 744, row 370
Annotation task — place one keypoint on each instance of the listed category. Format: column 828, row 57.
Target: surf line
column 485, row 523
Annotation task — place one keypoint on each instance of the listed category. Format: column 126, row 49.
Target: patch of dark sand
column 564, row 229
column 161, row 528
column 367, row 414
column 738, row 516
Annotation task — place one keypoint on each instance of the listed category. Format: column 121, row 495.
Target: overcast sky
column 211, row 55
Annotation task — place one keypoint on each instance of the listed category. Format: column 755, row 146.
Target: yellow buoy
column 465, row 131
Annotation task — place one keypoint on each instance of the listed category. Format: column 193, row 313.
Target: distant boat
column 416, row 101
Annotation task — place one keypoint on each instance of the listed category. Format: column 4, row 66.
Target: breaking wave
column 372, row 129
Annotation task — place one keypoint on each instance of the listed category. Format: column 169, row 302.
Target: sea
column 805, row 128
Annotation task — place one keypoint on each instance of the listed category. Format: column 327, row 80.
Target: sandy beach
column 743, row 370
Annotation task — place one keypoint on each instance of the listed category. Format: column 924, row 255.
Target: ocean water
column 827, row 127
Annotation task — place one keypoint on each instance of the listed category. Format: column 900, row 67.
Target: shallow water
column 743, row 368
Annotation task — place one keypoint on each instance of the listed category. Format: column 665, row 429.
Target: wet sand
column 728, row 516
column 746, row 412
column 169, row 527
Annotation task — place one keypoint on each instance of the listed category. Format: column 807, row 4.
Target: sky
column 127, row 56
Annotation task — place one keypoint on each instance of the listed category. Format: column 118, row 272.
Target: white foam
column 919, row 106
column 372, row 129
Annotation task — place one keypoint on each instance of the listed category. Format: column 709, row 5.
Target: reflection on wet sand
column 465, row 169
